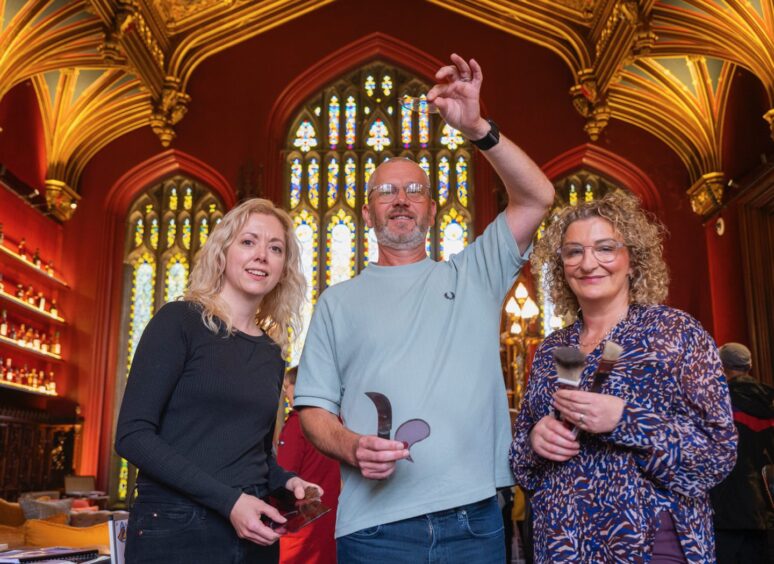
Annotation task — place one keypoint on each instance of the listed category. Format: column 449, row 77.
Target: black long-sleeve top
column 199, row 409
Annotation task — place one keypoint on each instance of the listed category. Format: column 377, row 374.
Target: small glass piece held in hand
column 414, row 104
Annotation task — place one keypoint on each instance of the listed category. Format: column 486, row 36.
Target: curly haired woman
column 198, row 414
column 632, row 485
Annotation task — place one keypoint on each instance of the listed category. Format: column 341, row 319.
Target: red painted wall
column 22, row 143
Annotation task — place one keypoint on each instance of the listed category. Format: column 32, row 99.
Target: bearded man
column 423, row 336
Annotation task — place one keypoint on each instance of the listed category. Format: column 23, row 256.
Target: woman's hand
column 299, row 487
column 589, row 411
column 552, row 440
column 246, row 518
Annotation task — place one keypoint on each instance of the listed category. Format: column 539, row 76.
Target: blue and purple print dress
column 676, row 440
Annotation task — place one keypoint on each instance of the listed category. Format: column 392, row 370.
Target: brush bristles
column 612, row 351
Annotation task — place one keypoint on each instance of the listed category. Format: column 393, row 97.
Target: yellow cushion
column 12, row 536
column 11, row 514
column 45, row 533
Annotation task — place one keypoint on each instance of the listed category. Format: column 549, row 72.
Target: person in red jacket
column 313, row 544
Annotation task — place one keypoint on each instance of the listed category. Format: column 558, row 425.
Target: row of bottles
column 33, row 258
column 32, row 297
column 30, row 378
column 26, row 336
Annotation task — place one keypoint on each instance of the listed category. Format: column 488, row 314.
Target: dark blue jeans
column 171, row 529
column 471, row 534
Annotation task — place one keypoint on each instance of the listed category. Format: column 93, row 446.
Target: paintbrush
column 569, row 363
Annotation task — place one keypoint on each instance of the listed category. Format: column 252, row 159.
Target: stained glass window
column 306, row 136
column 365, row 122
column 158, row 273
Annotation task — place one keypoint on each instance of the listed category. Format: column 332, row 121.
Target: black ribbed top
column 199, row 409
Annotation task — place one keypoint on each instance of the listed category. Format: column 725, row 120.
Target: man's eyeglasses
column 415, row 191
column 604, row 251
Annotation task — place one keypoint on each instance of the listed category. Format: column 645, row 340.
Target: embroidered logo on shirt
column 448, row 295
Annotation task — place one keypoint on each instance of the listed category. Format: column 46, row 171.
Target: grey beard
column 416, row 238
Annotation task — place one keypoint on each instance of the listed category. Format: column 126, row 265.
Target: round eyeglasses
column 415, row 191
column 604, row 251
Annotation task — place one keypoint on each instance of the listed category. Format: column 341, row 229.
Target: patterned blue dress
column 676, row 440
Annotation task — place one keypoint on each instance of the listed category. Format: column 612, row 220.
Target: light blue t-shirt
column 426, row 335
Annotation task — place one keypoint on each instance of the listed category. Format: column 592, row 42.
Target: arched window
column 334, row 144
column 165, row 228
column 580, row 186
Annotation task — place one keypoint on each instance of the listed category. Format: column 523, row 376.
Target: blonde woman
column 632, row 487
column 198, row 413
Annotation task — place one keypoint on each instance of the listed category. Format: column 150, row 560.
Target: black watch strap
column 490, row 139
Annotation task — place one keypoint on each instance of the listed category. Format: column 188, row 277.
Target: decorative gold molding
column 169, row 110
column 706, row 194
column 769, row 117
column 61, row 200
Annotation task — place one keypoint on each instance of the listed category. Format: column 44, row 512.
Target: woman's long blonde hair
column 279, row 314
column 641, row 232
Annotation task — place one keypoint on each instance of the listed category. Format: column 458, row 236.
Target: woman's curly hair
column 640, row 231
column 279, row 314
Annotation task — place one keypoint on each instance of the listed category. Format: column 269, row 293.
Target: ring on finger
column 581, row 417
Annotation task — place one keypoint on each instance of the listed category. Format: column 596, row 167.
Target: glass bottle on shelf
column 2, row 235
column 56, row 346
column 21, row 334
column 54, row 310
column 20, row 291
column 41, row 301
column 44, row 343
column 4, row 324
column 51, row 383
column 36, row 258
column 36, row 340
column 10, row 373
column 23, row 248
column 30, row 295
column 2, row 284
column 50, row 268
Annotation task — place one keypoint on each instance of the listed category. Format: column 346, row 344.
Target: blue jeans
column 472, row 534
column 171, row 529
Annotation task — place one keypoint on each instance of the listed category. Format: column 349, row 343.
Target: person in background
column 314, row 543
column 633, row 485
column 199, row 409
column 423, row 334
column 744, row 517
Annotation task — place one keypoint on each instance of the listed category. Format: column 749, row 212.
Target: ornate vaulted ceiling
column 102, row 68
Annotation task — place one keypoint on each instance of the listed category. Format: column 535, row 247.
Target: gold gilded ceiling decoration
column 104, row 67
column 616, row 51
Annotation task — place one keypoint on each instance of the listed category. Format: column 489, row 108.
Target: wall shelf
column 36, row 310
column 27, row 389
column 5, row 251
column 30, row 350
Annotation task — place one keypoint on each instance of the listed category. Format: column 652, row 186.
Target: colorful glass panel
column 333, row 181
column 171, row 232
column 378, row 135
column 295, row 182
column 154, row 233
column 454, row 234
column 334, row 110
column 306, row 136
column 173, row 199
column 340, row 242
column 370, row 246
column 588, row 195
column 406, row 123
column 573, row 195
column 386, row 84
column 443, row 180
column 368, row 170
column 177, row 277
column 139, row 231
column 313, row 179
column 188, row 199
column 187, row 233
column 424, row 164
column 369, row 85
column 350, row 181
column 461, row 169
column 423, row 122
column 204, row 231
column 451, row 138
column 350, row 127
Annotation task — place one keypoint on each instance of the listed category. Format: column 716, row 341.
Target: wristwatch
column 490, row 139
